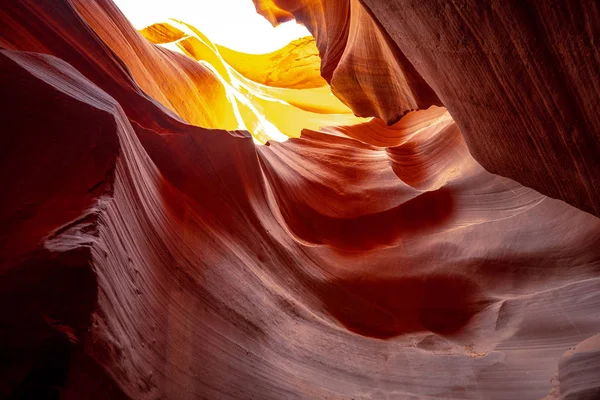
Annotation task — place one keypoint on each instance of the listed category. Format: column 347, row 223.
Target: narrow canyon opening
column 267, row 81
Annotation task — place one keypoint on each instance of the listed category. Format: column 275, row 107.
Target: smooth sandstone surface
column 534, row 115
column 151, row 249
column 520, row 78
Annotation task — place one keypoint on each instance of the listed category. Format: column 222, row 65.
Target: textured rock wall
column 520, row 78
column 145, row 257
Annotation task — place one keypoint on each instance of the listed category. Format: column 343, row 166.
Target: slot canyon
column 375, row 199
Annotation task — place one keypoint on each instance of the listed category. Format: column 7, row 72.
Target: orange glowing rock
column 205, row 90
column 295, row 66
column 364, row 67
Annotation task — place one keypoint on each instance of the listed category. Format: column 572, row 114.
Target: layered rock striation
column 150, row 248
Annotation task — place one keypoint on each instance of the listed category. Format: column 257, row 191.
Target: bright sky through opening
column 230, row 23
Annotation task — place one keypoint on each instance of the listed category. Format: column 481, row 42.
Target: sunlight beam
column 230, row 23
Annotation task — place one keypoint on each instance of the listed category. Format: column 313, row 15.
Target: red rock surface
column 365, row 69
column 145, row 257
column 521, row 79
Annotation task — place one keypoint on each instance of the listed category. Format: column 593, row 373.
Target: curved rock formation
column 149, row 250
column 296, row 66
column 520, row 79
column 365, row 69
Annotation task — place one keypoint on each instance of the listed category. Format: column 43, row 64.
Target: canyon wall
column 150, row 248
